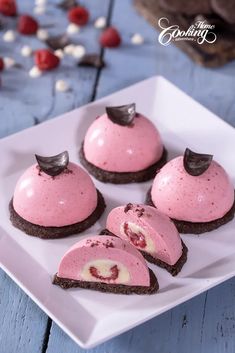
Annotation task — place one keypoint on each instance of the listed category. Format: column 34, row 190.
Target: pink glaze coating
column 117, row 148
column 108, row 248
column 68, row 198
column 202, row 198
column 157, row 226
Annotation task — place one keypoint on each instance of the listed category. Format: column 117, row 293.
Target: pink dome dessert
column 55, row 198
column 122, row 146
column 107, row 264
column 195, row 191
column 151, row 232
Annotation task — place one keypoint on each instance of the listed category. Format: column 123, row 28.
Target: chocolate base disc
column 206, row 54
column 56, row 232
column 125, row 177
column 172, row 269
column 197, row 227
column 109, row 288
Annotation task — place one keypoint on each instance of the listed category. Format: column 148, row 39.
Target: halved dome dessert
column 195, row 192
column 122, row 146
column 151, row 232
column 106, row 264
column 55, row 198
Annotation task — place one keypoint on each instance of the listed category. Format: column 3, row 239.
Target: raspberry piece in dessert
column 110, row 38
column 151, row 232
column 78, row 15
column 195, row 192
column 122, row 146
column 46, row 60
column 55, row 198
column 107, row 264
column 27, row 25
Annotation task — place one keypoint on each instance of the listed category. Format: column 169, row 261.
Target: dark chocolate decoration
column 196, row 163
column 92, row 60
column 58, row 42
column 122, row 115
column 54, row 165
column 67, row 4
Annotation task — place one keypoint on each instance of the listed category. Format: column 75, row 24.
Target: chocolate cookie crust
column 57, row 232
column 172, row 269
column 197, row 227
column 109, row 288
column 125, row 177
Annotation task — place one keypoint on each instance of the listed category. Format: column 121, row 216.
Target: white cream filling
column 135, row 228
column 103, row 267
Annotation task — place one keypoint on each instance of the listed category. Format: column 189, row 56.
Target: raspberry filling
column 113, row 273
column 138, row 239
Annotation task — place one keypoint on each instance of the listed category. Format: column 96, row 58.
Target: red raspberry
column 137, row 239
column 27, row 25
column 110, row 38
column 8, row 7
column 1, row 64
column 113, row 273
column 78, row 15
column 46, row 60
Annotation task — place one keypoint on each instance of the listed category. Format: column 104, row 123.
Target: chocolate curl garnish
column 58, row 42
column 92, row 60
column 54, row 165
column 196, row 163
column 67, row 4
column 122, row 115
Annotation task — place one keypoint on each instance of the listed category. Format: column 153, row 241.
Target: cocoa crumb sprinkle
column 128, row 207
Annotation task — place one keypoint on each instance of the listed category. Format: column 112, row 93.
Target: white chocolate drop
column 72, row 28
column 35, row 72
column 79, row 51
column 8, row 62
column 40, row 2
column 137, row 39
column 100, row 22
column 26, row 50
column 9, row 36
column 62, row 86
column 39, row 10
column 69, row 49
column 59, row 53
column 42, row 34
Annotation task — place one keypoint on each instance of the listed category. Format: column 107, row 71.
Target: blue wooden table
column 205, row 323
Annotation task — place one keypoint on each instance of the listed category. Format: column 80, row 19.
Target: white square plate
column 92, row 317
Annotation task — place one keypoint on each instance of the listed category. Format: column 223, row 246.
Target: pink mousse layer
column 57, row 201
column 98, row 248
column 157, row 226
column 117, row 148
column 202, row 198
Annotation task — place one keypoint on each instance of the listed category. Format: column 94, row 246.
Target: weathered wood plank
column 203, row 324
column 22, row 323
